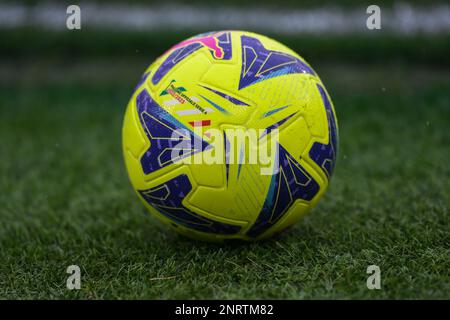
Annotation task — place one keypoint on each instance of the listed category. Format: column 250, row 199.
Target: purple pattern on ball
column 221, row 41
column 259, row 64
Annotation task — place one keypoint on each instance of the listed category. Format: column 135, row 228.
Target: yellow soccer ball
column 230, row 135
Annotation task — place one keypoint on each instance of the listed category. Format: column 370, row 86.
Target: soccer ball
column 230, row 135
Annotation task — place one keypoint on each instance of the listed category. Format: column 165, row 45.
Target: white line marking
column 402, row 18
column 172, row 102
column 189, row 112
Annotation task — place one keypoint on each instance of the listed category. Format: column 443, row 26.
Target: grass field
column 66, row 199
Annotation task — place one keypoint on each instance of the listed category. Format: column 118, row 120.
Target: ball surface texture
column 230, row 135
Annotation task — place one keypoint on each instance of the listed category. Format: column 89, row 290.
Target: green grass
column 65, row 197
